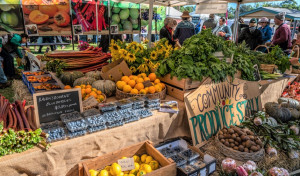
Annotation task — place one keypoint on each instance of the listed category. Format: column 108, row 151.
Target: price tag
column 126, row 164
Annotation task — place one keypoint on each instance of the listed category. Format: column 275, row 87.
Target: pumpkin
column 295, row 114
column 94, row 74
column 84, row 81
column 271, row 121
column 108, row 87
column 68, row 78
column 292, row 103
column 278, row 112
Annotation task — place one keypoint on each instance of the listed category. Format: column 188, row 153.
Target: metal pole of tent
column 236, row 24
column 150, row 21
column 109, row 22
column 72, row 29
column 97, row 21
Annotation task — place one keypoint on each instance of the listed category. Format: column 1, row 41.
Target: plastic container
column 187, row 168
column 70, row 117
column 137, row 101
column 90, row 112
column 76, row 134
column 55, row 134
column 135, row 107
column 143, row 113
column 124, row 104
column 178, row 160
column 168, row 152
column 95, row 129
column 50, row 125
column 107, row 107
column 150, row 101
column 95, row 121
column 189, row 155
column 77, row 125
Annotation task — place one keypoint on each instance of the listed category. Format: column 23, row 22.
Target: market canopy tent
column 169, row 3
column 270, row 12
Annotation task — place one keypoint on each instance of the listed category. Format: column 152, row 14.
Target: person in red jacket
column 282, row 36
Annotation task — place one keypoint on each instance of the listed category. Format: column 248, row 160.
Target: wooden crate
column 167, row 166
column 184, row 84
column 177, row 92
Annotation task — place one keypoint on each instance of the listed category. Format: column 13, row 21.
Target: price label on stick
column 126, row 164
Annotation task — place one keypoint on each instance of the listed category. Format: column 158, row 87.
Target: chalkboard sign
column 50, row 105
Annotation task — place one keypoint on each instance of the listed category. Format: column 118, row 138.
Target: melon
column 84, row 81
column 116, row 10
column 107, row 87
column 124, row 14
column 135, row 26
column 144, row 23
column 134, row 21
column 123, row 21
column 68, row 78
column 115, row 18
column 134, row 13
column 127, row 26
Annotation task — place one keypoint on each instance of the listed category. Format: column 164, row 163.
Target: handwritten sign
column 216, row 105
column 126, row 164
column 50, row 105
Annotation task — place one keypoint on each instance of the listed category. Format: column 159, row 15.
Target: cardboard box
column 167, row 167
column 115, row 71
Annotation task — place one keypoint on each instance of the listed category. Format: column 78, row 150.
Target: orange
column 139, row 86
column 127, row 88
column 152, row 77
column 157, row 88
column 95, row 90
column 134, row 91
column 143, row 91
column 131, row 83
column 88, row 90
column 77, row 87
column 82, row 92
column 101, row 98
column 99, row 92
column 93, row 94
column 151, row 89
column 143, row 75
column 131, row 77
column 124, row 78
column 82, row 86
column 140, row 80
column 139, row 75
column 68, row 87
column 146, row 79
column 162, row 86
column 147, row 89
column 88, row 86
column 156, row 81
column 121, row 84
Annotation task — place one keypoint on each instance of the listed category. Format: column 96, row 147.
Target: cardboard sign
column 211, row 7
column 115, row 71
column 215, row 105
column 126, row 164
column 50, row 105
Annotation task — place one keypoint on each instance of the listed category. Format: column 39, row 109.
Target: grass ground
column 9, row 92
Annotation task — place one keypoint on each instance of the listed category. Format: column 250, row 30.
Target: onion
column 271, row 151
column 229, row 165
column 258, row 121
column 250, row 166
column 295, row 129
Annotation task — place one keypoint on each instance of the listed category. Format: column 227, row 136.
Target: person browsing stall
column 185, row 29
column 210, row 23
column 167, row 31
column 251, row 35
column 3, row 80
column 223, row 30
column 265, row 30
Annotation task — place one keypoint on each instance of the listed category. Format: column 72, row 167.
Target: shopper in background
column 265, row 29
column 282, row 36
column 251, row 35
column 10, row 47
column 210, row 23
column 50, row 40
column 223, row 30
column 167, row 31
column 185, row 29
column 3, row 80
column 241, row 26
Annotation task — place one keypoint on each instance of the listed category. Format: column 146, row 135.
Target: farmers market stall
column 64, row 155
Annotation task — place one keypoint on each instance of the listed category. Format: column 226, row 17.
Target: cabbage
column 115, row 18
column 134, row 13
column 116, row 10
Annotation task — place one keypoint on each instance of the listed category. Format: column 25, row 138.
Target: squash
column 94, row 74
column 84, row 81
column 292, row 103
column 68, row 78
column 278, row 112
column 295, row 114
column 108, row 87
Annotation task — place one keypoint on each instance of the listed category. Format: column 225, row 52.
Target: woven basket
column 122, row 95
column 96, row 106
column 241, row 156
column 270, row 68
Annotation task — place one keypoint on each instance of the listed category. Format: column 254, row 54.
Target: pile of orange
column 87, row 91
column 134, row 84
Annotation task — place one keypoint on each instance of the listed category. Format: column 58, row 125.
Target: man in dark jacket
column 210, row 23
column 252, row 36
column 185, row 28
column 241, row 26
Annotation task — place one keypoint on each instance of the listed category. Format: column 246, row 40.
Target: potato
column 223, row 141
column 232, row 145
column 233, row 136
column 258, row 147
column 241, row 148
column 244, row 138
column 236, row 143
column 227, row 140
column 231, row 126
column 249, row 144
column 221, row 133
column 221, row 137
column 259, row 142
column 230, row 131
column 240, row 133
column 235, row 148
column 228, row 136
column 249, row 132
column 244, row 144
column 227, row 144
column 231, row 140
column 238, row 139
column 251, row 138
column 224, row 130
column 254, row 148
column 246, row 150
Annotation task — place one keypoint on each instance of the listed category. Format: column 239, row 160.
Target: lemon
column 121, row 174
column 154, row 164
column 103, row 173
column 134, row 172
column 142, row 172
column 143, row 158
column 123, row 157
column 136, row 158
column 148, row 159
column 107, row 168
column 147, row 168
column 136, row 166
column 93, row 172
column 115, row 169
column 126, row 172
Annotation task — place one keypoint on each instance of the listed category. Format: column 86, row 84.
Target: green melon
column 124, row 14
column 127, row 26
column 67, row 78
column 115, row 18
column 134, row 13
column 116, row 10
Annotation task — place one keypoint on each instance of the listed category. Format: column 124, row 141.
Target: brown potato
column 230, row 131
column 231, row 140
column 249, row 144
column 223, row 141
column 254, row 148
column 235, row 148
column 251, row 138
column 241, row 148
column 227, row 144
column 233, row 136
column 246, row 150
column 232, row 145
column 259, row 142
column 221, row 133
column 250, row 132
column 244, row 144
column 258, row 147
column 221, row 137
column 238, row 139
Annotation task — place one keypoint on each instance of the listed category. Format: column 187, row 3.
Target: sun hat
column 253, row 20
column 280, row 16
column 186, row 14
column 263, row 20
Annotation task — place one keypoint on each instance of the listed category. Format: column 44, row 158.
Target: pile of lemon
column 134, row 84
column 143, row 165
